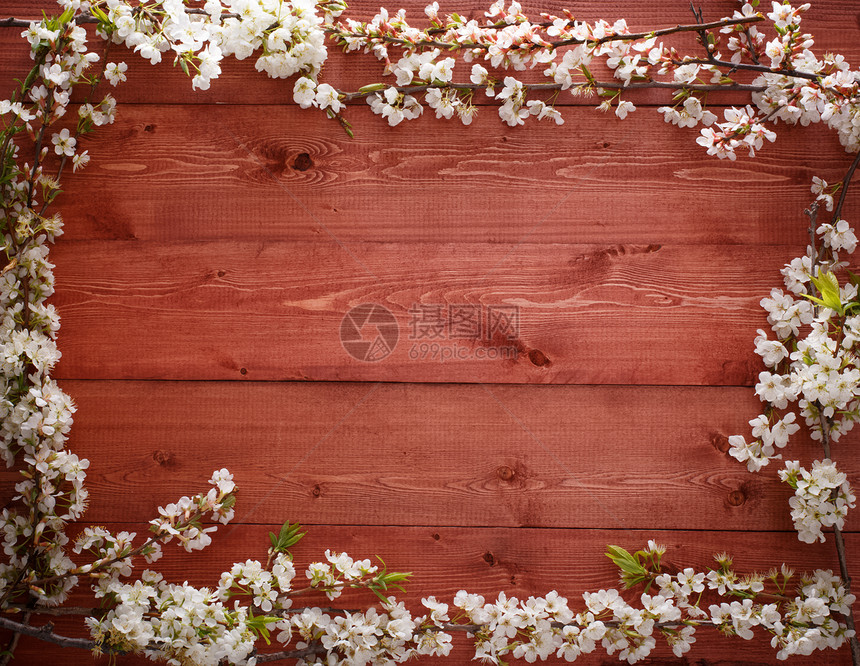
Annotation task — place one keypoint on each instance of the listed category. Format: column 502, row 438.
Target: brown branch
column 712, row 60
column 46, row 633
column 837, row 210
column 695, row 27
column 93, row 86
column 627, row 37
column 97, row 565
column 812, row 214
column 751, row 48
column 12, row 22
column 317, row 648
column 824, row 422
column 612, row 85
column 13, row 642
column 314, row 648
column 58, row 611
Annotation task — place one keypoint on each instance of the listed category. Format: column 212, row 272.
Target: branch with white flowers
column 816, row 318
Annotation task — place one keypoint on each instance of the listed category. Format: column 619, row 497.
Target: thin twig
column 101, row 564
column 625, row 37
column 611, row 85
column 751, row 47
column 837, row 210
column 93, row 86
column 812, row 214
column 13, row 22
column 314, row 648
column 13, row 642
column 46, row 633
column 58, row 611
column 712, row 60
column 838, row 540
column 824, row 421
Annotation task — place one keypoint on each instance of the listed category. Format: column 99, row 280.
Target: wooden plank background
column 217, row 239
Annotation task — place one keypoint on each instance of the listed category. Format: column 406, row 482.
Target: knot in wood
column 163, row 458
column 720, row 442
column 505, row 473
column 538, row 358
column 737, row 497
column 303, row 162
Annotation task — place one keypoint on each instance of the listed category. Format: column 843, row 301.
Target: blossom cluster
column 169, row 621
column 506, row 41
column 178, row 623
column 822, row 497
column 339, row 571
column 800, row 87
column 36, row 415
column 288, row 37
column 812, row 363
column 539, row 628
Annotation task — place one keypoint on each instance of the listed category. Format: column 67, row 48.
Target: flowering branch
column 837, row 533
column 535, row 43
column 609, row 85
column 45, row 633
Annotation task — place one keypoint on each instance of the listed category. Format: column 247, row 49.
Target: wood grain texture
column 224, row 235
column 422, row 454
column 176, row 173
column 631, row 314
column 521, row 562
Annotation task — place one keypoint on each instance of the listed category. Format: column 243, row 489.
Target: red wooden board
column 217, row 240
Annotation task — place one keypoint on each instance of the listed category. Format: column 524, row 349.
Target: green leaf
column 815, row 299
column 259, row 624
column 66, row 16
column 828, row 287
column 373, row 87
column 288, row 537
column 379, row 594
column 632, row 570
column 99, row 14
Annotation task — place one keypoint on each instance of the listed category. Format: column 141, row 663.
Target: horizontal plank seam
column 61, row 378
column 391, row 381
column 64, row 242
column 644, row 530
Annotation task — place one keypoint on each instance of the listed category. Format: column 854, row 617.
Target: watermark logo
column 369, row 332
column 436, row 331
column 488, row 323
